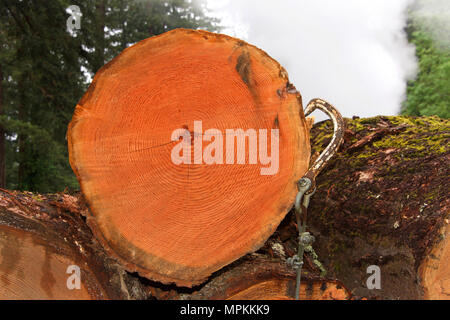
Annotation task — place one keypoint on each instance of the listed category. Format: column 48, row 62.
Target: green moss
column 37, row 197
column 436, row 132
column 316, row 261
column 430, row 196
column 423, row 136
column 365, row 155
column 324, row 133
column 373, row 120
column 354, row 125
column 355, row 234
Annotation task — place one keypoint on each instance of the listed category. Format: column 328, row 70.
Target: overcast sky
column 353, row 53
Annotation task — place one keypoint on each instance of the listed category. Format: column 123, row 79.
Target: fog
column 352, row 53
column 434, row 15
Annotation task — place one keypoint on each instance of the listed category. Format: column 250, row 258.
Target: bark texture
column 384, row 200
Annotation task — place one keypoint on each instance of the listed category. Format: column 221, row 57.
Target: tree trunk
column 123, row 37
column 2, row 137
column 22, row 180
column 383, row 201
column 153, row 140
column 100, row 47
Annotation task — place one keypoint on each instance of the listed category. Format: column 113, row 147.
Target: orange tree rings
column 170, row 193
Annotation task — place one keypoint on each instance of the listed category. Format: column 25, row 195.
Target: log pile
column 399, row 222
column 41, row 238
column 147, row 226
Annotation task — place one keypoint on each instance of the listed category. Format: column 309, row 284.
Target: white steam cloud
column 353, row 53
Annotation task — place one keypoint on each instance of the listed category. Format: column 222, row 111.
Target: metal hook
column 336, row 140
column 307, row 184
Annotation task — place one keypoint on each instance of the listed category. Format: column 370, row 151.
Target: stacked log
column 412, row 252
column 48, row 252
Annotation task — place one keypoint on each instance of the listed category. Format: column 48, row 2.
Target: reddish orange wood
column 180, row 223
column 260, row 278
column 434, row 270
column 281, row 289
column 31, row 269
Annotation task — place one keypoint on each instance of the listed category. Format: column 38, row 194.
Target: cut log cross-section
column 179, row 220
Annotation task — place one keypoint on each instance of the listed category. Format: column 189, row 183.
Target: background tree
column 44, row 70
column 42, row 79
column 429, row 93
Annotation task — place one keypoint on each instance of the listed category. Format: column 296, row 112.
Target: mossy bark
column 382, row 200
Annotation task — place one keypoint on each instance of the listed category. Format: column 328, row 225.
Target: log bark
column 41, row 236
column 383, row 200
column 2, row 136
column 178, row 222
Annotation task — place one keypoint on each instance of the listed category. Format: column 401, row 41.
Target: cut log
column 383, row 201
column 155, row 204
column 434, row 271
column 29, row 269
column 47, row 252
column 258, row 277
column 41, row 236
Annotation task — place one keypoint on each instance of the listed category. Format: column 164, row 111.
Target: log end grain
column 178, row 223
